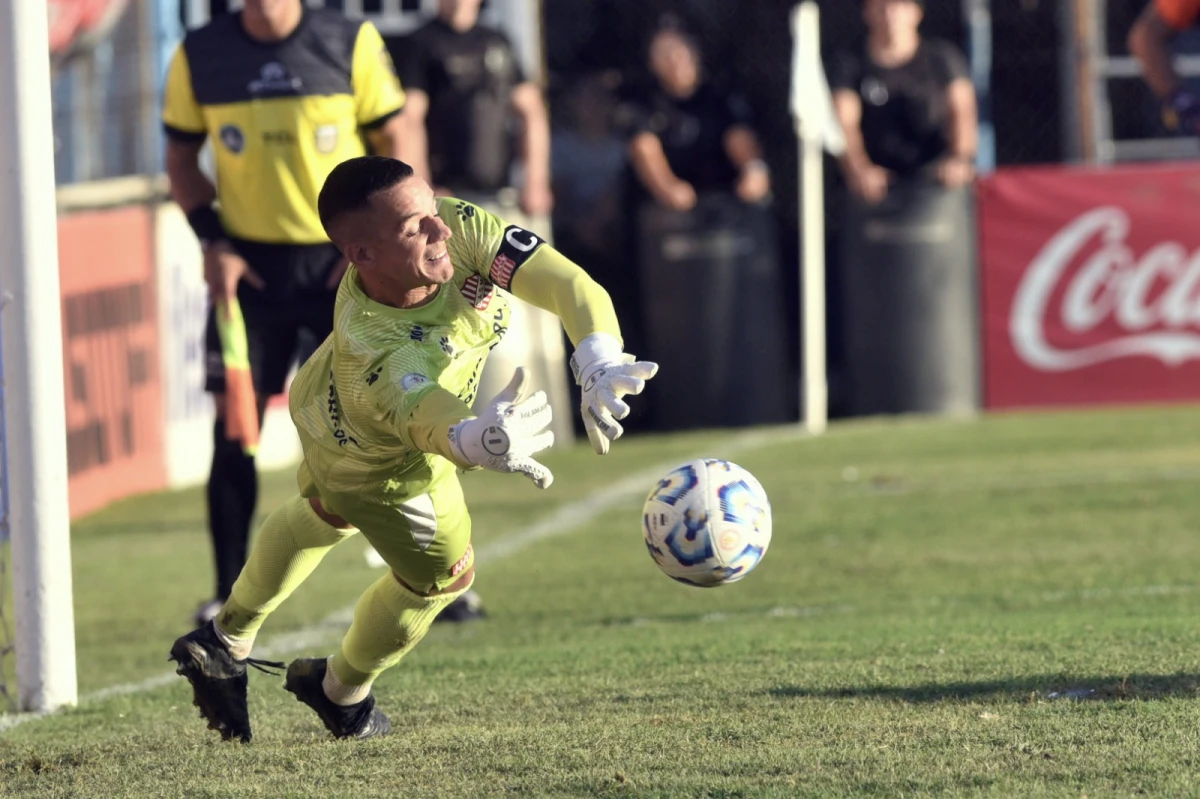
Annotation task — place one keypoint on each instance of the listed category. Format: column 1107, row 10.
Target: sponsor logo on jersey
column 457, row 568
column 281, row 137
column 232, row 138
column 875, row 91
column 478, row 292
column 273, row 77
column 495, row 59
column 326, row 138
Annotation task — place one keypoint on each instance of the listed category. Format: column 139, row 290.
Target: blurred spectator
column 704, row 245
column 906, row 272
column 906, row 104
column 1150, row 41
column 691, row 137
column 588, row 159
column 464, row 85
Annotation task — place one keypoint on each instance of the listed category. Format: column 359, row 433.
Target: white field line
column 787, row 612
column 564, row 520
column 859, row 486
column 573, row 515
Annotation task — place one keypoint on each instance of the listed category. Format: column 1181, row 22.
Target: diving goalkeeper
column 383, row 409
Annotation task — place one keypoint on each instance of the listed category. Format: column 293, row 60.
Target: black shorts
column 286, row 320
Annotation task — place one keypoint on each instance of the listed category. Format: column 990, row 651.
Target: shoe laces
column 266, row 666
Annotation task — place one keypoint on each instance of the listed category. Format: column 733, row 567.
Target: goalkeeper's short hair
column 351, row 184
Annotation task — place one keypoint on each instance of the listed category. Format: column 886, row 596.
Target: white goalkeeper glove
column 606, row 373
column 510, row 430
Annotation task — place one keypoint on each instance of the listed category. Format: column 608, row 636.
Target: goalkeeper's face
column 408, row 246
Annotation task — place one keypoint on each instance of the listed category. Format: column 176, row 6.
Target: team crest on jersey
column 478, row 292
column 502, row 270
column 326, row 138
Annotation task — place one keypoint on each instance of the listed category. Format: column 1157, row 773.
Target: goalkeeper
column 383, row 409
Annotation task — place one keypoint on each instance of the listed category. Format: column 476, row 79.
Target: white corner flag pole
column 31, row 336
column 816, row 130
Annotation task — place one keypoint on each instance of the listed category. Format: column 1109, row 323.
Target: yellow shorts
column 423, row 532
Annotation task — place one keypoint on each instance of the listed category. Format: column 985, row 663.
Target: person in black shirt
column 906, row 104
column 691, row 137
column 464, row 85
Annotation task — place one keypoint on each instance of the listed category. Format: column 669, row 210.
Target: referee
column 284, row 93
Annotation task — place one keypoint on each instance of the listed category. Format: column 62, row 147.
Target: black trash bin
column 712, row 313
column 910, row 306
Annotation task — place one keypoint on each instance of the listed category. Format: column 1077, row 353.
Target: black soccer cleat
column 218, row 681
column 467, row 607
column 362, row 720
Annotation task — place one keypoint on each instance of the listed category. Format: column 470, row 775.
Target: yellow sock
column 290, row 544
column 388, row 622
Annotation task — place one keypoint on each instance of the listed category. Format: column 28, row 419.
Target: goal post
column 34, row 423
column 817, row 131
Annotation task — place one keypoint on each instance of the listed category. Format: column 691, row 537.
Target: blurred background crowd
column 670, row 168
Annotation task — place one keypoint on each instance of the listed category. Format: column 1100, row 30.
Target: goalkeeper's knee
column 389, row 621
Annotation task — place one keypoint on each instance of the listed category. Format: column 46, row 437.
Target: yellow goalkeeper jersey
column 374, row 403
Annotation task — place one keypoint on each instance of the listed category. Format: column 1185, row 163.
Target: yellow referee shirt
column 281, row 114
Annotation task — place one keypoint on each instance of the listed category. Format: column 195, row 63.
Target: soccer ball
column 707, row 523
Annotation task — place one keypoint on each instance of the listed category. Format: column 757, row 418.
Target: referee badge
column 232, row 138
column 326, row 138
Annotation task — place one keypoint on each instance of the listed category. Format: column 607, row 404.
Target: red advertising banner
column 110, row 356
column 1091, row 285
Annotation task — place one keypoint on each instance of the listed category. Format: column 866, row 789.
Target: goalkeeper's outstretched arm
column 601, row 367
column 502, row 438
column 552, row 282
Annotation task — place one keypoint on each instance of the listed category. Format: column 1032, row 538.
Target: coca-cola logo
column 1151, row 300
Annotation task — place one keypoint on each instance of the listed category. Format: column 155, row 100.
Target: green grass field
column 997, row 608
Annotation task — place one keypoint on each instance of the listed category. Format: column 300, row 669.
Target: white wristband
column 595, row 347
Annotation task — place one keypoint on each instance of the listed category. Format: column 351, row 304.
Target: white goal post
column 35, row 508
column 816, row 131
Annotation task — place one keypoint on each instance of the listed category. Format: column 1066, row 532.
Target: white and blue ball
column 707, row 523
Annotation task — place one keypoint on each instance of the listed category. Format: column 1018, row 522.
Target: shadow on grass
column 1055, row 687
